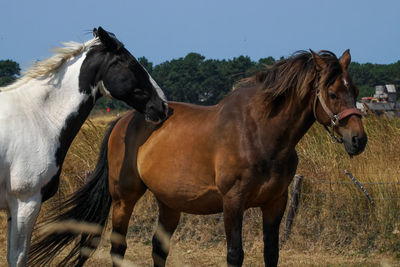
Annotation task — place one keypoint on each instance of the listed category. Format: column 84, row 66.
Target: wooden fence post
column 293, row 207
column 356, row 182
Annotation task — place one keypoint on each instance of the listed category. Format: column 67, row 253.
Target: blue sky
column 166, row 29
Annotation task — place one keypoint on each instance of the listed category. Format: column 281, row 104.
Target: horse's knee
column 235, row 257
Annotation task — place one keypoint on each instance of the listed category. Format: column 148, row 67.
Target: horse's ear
column 108, row 39
column 95, row 33
column 320, row 64
column 345, row 59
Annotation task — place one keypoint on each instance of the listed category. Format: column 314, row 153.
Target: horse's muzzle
column 157, row 113
column 355, row 144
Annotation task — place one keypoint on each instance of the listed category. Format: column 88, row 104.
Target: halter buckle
column 335, row 120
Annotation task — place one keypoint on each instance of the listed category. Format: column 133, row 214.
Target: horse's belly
column 205, row 203
column 181, row 178
column 187, row 195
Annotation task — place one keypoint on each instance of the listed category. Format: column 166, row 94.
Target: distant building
column 385, row 93
column 384, row 101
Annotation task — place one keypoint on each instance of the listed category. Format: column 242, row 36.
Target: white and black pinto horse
column 41, row 113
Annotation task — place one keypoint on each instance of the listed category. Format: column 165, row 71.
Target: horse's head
column 124, row 78
column 335, row 101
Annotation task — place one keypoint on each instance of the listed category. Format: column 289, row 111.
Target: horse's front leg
column 24, row 213
column 233, row 218
column 272, row 216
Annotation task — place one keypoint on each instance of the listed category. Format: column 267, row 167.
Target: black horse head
column 120, row 75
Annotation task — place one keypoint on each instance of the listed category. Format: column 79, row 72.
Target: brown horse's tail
column 84, row 216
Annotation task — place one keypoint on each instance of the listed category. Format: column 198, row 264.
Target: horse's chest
column 269, row 190
column 27, row 176
column 272, row 181
column 28, row 160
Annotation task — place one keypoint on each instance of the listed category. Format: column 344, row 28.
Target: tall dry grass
column 334, row 215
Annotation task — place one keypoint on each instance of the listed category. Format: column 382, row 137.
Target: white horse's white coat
column 41, row 113
column 33, row 113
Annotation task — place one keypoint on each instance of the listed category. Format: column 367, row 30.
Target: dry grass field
column 335, row 225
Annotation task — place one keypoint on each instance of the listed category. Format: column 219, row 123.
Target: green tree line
column 9, row 71
column 198, row 80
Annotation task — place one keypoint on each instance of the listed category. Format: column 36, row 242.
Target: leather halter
column 335, row 118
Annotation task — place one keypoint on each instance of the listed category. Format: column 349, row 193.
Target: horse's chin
column 157, row 118
column 151, row 120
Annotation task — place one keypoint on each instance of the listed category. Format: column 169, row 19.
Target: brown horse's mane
column 294, row 77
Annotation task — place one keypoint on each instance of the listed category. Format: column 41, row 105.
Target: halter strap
column 335, row 118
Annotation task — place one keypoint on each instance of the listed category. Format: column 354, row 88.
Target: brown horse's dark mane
column 293, row 78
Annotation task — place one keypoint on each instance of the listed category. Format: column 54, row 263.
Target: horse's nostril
column 355, row 141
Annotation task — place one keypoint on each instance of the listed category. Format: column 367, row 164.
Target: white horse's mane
column 47, row 66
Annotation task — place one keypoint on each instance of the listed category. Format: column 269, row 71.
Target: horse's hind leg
column 121, row 214
column 167, row 222
column 23, row 217
column 122, row 207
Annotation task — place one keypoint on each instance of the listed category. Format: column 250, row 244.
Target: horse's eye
column 138, row 91
column 332, row 95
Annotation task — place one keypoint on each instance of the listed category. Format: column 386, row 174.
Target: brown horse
column 225, row 158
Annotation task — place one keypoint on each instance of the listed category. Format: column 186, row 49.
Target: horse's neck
column 284, row 126
column 57, row 105
column 55, row 98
